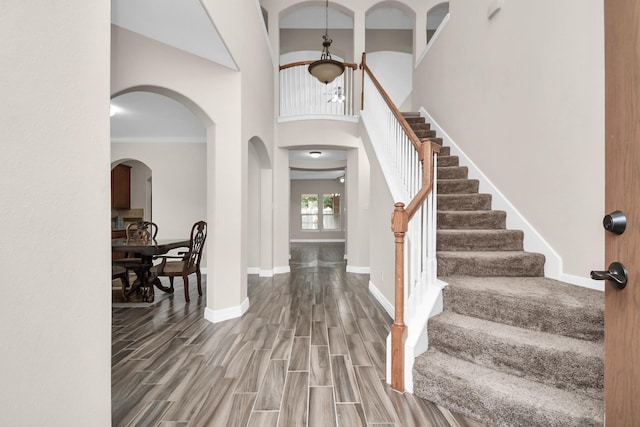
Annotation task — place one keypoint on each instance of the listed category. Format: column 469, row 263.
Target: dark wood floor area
column 309, row 351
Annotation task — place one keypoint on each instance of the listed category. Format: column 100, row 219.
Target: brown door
column 622, row 134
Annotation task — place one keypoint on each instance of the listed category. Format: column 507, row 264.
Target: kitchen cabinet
column 121, row 187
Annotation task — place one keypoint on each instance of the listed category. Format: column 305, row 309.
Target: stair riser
column 524, row 265
column 452, row 172
column 419, row 126
column 444, row 151
column 524, row 313
column 478, row 220
column 464, row 202
column 446, row 161
column 563, row 369
column 457, row 186
column 412, row 120
column 424, row 133
column 499, row 240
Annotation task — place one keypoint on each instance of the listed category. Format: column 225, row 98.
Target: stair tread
column 532, row 302
column 522, row 336
column 500, row 399
column 485, row 219
column 480, row 232
column 488, row 254
column 538, row 288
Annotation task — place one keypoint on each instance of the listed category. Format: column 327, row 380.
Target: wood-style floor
column 310, row 351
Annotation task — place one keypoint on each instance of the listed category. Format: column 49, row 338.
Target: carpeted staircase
column 511, row 348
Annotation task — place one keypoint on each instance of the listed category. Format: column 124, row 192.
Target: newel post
column 399, row 226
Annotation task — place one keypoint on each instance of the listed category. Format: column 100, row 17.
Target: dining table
column 146, row 250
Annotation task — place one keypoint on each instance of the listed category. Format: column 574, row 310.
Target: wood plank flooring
column 310, row 351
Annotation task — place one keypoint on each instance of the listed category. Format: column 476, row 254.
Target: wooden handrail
column 296, row 64
column 400, row 225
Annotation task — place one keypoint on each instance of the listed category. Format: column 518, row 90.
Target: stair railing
column 301, row 94
column 409, row 164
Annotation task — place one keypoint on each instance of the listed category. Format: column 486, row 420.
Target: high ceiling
column 184, row 24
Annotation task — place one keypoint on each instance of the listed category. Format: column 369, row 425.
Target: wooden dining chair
column 141, row 231
column 186, row 263
column 119, row 272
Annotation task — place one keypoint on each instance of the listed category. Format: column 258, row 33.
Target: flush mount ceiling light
column 315, row 154
column 326, row 69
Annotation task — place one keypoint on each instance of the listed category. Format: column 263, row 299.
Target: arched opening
column 260, row 217
column 131, row 193
column 301, row 28
column 161, row 136
column 435, row 17
column 318, row 198
column 389, row 46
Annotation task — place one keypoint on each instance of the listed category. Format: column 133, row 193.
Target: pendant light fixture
column 326, row 69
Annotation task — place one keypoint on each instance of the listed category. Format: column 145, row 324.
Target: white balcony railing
column 301, row 94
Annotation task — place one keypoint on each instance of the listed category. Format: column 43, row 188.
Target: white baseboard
column 582, row 281
column 259, row 272
column 281, row 270
column 317, row 240
column 215, row 316
column 386, row 304
column 358, row 270
column 533, row 241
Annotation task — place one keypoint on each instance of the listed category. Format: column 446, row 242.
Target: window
column 312, row 218
column 309, row 211
column 331, row 211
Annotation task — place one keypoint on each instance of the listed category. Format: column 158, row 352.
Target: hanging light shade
column 326, row 69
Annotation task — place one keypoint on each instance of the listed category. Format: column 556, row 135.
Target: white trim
column 433, row 39
column 317, row 241
column 203, row 271
column 281, row 270
column 352, row 119
column 215, row 316
column 582, row 281
column 260, row 272
column 384, row 302
column 266, row 273
column 358, row 270
column 165, row 140
column 533, row 241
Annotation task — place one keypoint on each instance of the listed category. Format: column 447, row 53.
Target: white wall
column 55, row 350
column 248, row 45
column 522, row 95
column 179, row 173
column 381, row 239
column 358, row 188
column 394, row 71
